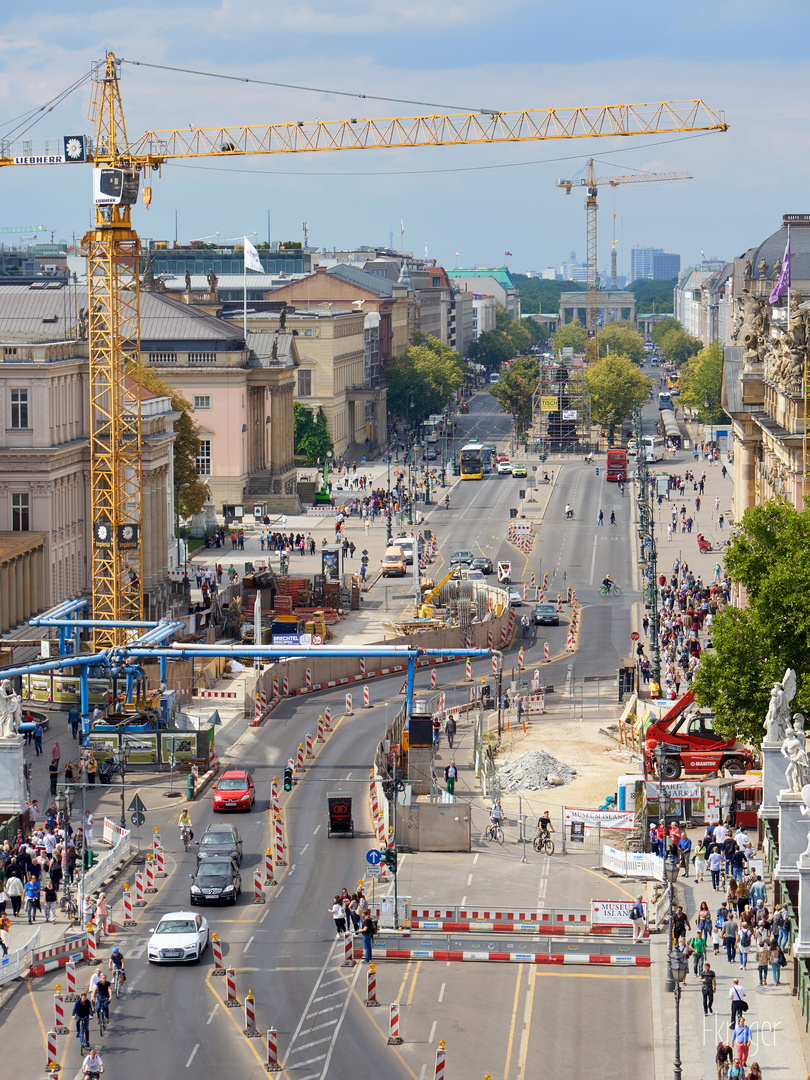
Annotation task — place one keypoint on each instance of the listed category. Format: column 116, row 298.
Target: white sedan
column 504, row 467
column 180, row 935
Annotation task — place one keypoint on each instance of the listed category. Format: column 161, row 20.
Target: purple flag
column 784, row 278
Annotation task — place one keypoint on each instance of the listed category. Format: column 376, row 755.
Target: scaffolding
column 561, row 409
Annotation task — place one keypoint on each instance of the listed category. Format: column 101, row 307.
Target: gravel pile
column 534, row 770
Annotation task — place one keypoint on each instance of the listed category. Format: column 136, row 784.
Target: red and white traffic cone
column 546, row 651
column 250, row 1015
column 469, row 668
column 230, row 978
column 394, row 1038
column 371, row 987
column 128, row 918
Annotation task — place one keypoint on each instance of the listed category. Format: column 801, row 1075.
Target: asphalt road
column 512, row 1021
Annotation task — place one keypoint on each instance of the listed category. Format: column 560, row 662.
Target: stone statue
column 84, row 324
column 10, row 710
column 282, row 319
column 805, row 811
column 777, row 721
column 797, row 762
column 777, row 268
column 188, row 281
column 148, row 278
column 798, row 727
column 749, row 266
column 274, row 350
column 797, row 329
column 762, row 268
column 213, row 281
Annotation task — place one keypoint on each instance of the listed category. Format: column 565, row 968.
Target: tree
column 423, row 379
column 622, row 338
column 664, row 327
column 616, row 387
column 538, row 295
column 653, row 295
column 515, row 390
column 572, row 335
column 677, row 346
column 311, row 438
column 753, row 646
column 702, row 375
column 190, row 492
column 492, row 349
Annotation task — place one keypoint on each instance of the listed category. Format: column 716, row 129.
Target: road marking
column 309, row 1061
column 191, row 1055
column 593, row 562
column 469, row 880
column 309, row 1045
column 248, row 943
column 317, row 831
column 290, row 870
column 320, row 1027
column 304, row 848
column 266, row 913
column 340, row 1022
column 441, row 992
column 213, row 1013
column 432, row 1031
column 625, row 974
column 475, row 860
column 306, row 1009
column 512, row 1026
column 464, row 901
column 280, row 890
column 401, row 985
column 422, row 1073
column 325, row 997
column 413, row 984
column 527, row 1023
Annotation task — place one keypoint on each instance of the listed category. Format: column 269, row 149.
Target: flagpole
column 244, row 290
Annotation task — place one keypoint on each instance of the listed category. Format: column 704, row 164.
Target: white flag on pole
column 252, row 261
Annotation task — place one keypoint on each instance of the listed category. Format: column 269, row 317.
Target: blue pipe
column 84, row 703
column 55, row 665
column 58, row 612
column 43, row 620
column 187, row 651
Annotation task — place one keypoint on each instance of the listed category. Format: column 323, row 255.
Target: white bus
column 653, row 447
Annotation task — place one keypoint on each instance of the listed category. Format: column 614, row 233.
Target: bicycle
column 495, row 832
column 102, row 1013
column 116, row 983
column 83, row 1031
column 185, row 832
column 543, row 843
column 612, row 590
column 69, row 905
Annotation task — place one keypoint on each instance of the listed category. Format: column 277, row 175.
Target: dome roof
column 773, row 249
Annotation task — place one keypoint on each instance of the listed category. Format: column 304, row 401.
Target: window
column 203, row 461
column 304, row 383
column 20, row 513
column 202, row 401
column 19, row 408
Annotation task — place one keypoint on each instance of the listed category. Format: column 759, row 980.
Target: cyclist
column 544, row 826
column 185, row 827
column 95, row 979
column 103, row 990
column 569, row 513
column 83, row 1010
column 92, row 1065
column 495, row 818
column 447, row 502
column 117, row 962
column 607, row 583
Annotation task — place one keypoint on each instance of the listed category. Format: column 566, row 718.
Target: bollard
column 280, row 860
column 559, row 601
column 258, row 894
column 309, row 678
column 546, row 651
column 299, row 761
column 362, row 668
column 308, row 741
column 543, row 702
column 433, row 679
column 394, row 1038
column 268, row 867
column 150, row 875
column 468, row 674
column 128, row 919
column 348, row 949
column 233, row 1000
column 366, row 698
column 216, row 944
column 70, row 971
column 160, row 870
column 520, row 657
column 91, row 944
column 250, row 1016
column 319, row 736
column 327, row 716
column 545, row 580
column 275, row 685
column 371, row 987
column 156, row 839
column 441, row 1054
column 59, row 1025
column 272, row 1051
column 494, row 665
column 53, row 1064
column 285, row 688
column 348, row 704
column 139, row 900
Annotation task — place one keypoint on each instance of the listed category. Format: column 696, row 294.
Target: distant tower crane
column 591, row 184
column 113, row 253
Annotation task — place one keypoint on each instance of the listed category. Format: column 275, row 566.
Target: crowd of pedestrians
column 351, row 914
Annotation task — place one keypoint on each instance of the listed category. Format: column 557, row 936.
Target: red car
column 693, row 746
column 234, row 791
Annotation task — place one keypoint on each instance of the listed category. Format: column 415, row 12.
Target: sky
column 740, row 57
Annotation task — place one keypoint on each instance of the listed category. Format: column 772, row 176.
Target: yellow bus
column 471, row 462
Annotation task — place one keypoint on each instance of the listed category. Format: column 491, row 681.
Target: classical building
column 495, row 282
column 609, row 304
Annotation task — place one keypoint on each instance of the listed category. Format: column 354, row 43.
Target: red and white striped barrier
column 139, row 900
column 250, row 1015
column 546, row 652
column 525, row 588
column 268, row 867
column 494, row 926
column 371, row 987
column 348, row 949
column 299, row 761
column 538, row 918
column 280, row 860
column 534, row 586
column 59, row 1013
column 70, row 974
column 258, row 892
column 433, row 679
column 195, row 772
column 261, row 707
column 212, row 756
column 319, row 736
column 554, row 959
column 489, row 638
column 230, row 978
column 520, row 657
column 160, row 871
column 308, row 674
column 494, row 665
column 92, row 955
column 275, row 685
column 366, row 698
column 468, row 668
column 468, row 640
column 308, row 742
column 72, row 950
column 569, row 594
column 545, row 580
column 569, row 644
column 111, row 833
column 362, row 668
column 220, row 694
column 327, row 716
column 559, row 602
column 53, row 1065
column 272, row 1064
column 128, row 917
column 216, row 945
column 441, row 1055
column 150, row 875
column 285, row 687
column 348, row 704
column 394, row 1038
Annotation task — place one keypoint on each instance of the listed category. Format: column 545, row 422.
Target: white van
column 494, row 378
column 653, row 447
column 407, row 543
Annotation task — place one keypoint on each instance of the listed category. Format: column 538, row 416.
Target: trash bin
column 190, row 788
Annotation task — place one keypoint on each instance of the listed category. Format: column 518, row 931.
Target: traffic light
column 90, row 858
column 288, row 779
column 389, row 857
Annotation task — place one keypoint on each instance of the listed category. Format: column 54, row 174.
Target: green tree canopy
column 572, row 335
column 677, row 346
column 423, row 379
column 621, row 338
column 538, row 296
column 311, row 439
column 515, row 389
column 754, row 645
column 190, row 492
column 616, row 386
column 664, row 327
column 702, row 375
column 492, row 349
column 653, row 295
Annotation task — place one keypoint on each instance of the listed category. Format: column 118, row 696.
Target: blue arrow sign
column 649, row 573
column 373, row 857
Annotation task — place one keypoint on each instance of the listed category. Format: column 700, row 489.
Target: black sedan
column 482, row 563
column 222, row 840
column 217, row 881
column 546, row 615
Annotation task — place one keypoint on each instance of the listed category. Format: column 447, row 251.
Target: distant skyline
column 477, row 200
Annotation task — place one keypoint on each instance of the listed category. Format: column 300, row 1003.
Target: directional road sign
column 374, row 871
column 137, row 818
column 137, row 805
column 373, row 857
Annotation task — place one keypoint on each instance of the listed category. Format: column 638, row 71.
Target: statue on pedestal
column 10, row 710
column 777, row 721
column 805, row 811
column 798, row 765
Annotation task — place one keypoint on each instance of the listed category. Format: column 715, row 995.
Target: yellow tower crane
column 113, row 266
column 591, row 183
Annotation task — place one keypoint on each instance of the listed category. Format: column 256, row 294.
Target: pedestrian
column 367, row 928
column 697, row 504
column 763, row 959
column 724, row 1055
column 601, row 519
column 645, row 624
column 774, row 950
column 15, row 890
column 708, row 986
column 90, row 768
column 723, row 472
column 450, row 776
column 730, row 930
column 53, row 772
column 450, row 730
column 736, row 996
column 88, row 829
column 698, row 946
column 339, row 916
column 700, row 863
column 742, row 1040
column 715, row 862
column 4, row 937
column 612, row 517
column 680, row 924
column 524, row 626
column 717, row 935
column 437, row 733
column 38, row 733
column 32, row 898
column 50, row 901
column 685, row 844
column 720, row 521
column 637, row 918
column 716, row 503
column 74, row 719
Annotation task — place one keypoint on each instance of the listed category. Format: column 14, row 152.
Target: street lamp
column 671, row 876
column 708, row 403
column 121, row 755
column 678, row 966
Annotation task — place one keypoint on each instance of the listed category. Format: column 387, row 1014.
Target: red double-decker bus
column 616, row 470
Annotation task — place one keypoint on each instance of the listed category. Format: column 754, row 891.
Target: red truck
column 693, row 746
